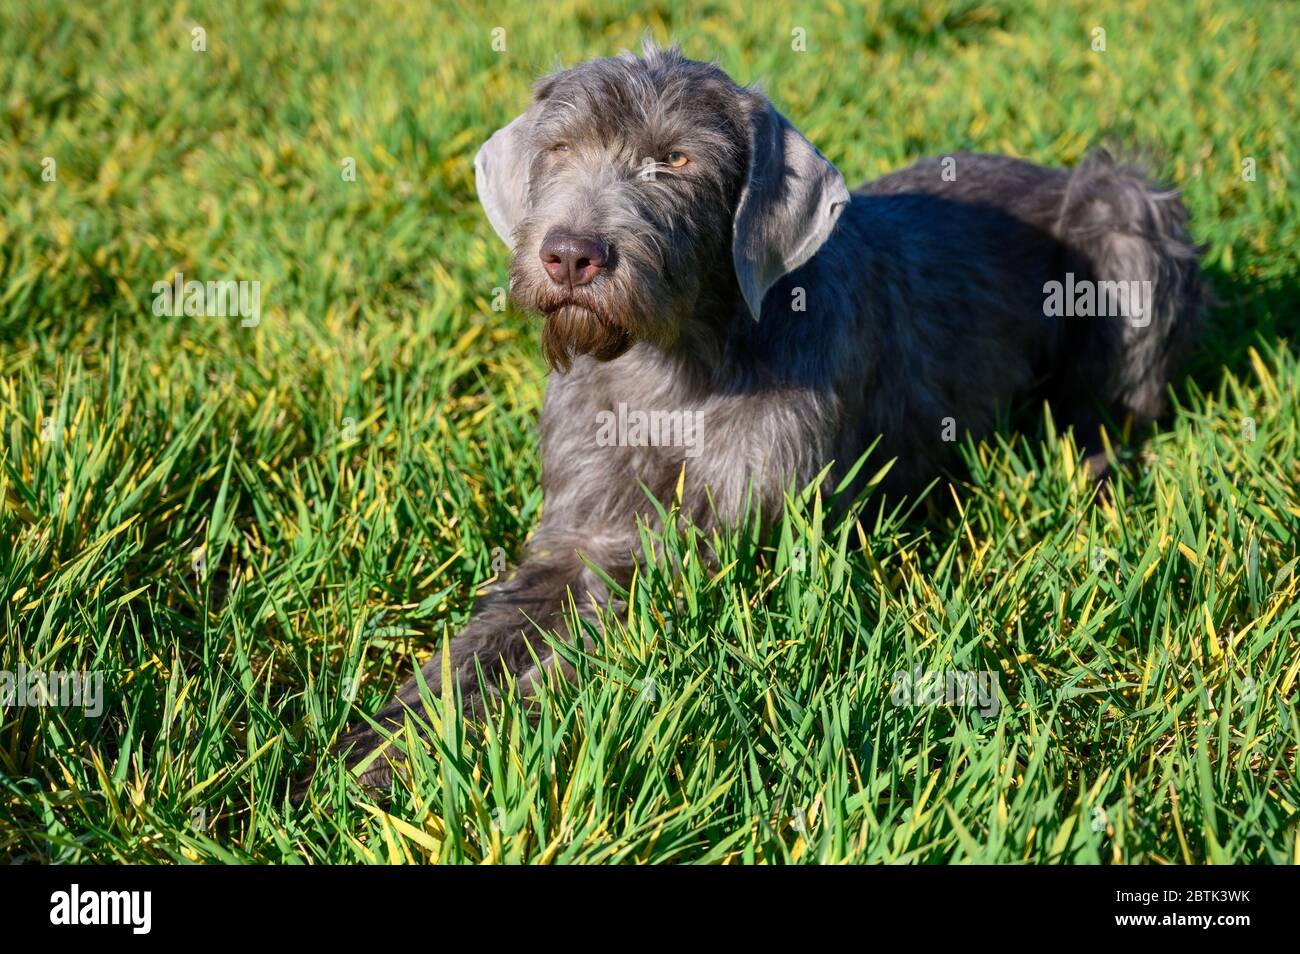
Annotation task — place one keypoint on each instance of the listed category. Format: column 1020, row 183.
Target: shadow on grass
column 1245, row 312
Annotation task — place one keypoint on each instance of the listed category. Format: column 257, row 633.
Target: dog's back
column 964, row 256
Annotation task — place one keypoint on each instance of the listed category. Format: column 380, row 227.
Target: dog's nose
column 573, row 259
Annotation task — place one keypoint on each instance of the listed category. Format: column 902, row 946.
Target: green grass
column 350, row 465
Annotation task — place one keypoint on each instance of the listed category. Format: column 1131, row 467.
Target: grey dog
column 694, row 257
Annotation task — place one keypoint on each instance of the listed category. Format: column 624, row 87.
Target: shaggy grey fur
column 746, row 285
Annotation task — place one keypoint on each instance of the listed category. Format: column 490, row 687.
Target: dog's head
column 635, row 188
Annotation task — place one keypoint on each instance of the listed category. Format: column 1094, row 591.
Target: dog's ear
column 501, row 176
column 789, row 204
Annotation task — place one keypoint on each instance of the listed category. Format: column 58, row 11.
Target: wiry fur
column 925, row 302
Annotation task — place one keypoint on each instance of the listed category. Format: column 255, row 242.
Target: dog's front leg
column 504, row 634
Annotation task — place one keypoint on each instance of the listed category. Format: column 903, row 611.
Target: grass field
column 253, row 532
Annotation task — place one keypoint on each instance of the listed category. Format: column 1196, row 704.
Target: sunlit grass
column 254, row 533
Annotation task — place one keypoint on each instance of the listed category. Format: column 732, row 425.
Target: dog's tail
column 1129, row 237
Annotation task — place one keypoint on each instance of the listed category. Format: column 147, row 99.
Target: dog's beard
column 572, row 329
column 603, row 319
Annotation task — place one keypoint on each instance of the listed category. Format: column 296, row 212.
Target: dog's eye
column 677, row 159
column 560, row 147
